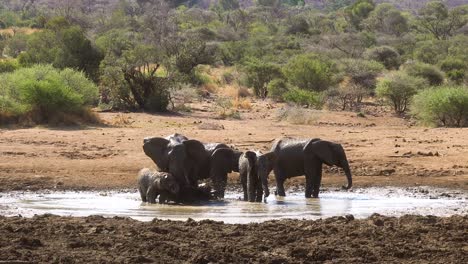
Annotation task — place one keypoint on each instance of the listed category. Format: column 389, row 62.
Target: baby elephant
column 251, row 184
column 153, row 183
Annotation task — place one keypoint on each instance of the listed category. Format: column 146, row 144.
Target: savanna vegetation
column 59, row 58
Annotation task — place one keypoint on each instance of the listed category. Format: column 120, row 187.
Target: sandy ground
column 383, row 151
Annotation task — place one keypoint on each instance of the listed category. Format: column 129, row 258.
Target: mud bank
column 408, row 239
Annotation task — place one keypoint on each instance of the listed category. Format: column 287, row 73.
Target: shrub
column 304, row 98
column 454, row 68
column 386, row 55
column 259, row 74
column 446, row 106
column 277, row 88
column 398, row 88
column 8, row 65
column 347, row 95
column 298, row 115
column 311, row 72
column 431, row 51
column 46, row 94
column 428, row 72
column 362, row 72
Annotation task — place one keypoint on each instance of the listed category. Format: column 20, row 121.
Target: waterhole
column 360, row 202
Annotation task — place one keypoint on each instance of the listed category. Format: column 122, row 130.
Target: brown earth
column 383, row 151
column 408, row 239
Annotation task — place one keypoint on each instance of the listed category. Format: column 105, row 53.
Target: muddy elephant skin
column 296, row 157
column 190, row 160
column 152, row 184
column 251, row 184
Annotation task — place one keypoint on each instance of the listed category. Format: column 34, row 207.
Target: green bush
column 454, row 68
column 426, row 71
column 445, row 106
column 362, row 72
column 311, row 72
column 398, row 89
column 386, row 55
column 259, row 74
column 304, row 98
column 431, row 51
column 8, row 65
column 45, row 94
column 277, row 88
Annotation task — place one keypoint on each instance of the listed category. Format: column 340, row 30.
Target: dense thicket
column 308, row 52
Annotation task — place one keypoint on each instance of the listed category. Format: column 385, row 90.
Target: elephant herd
column 182, row 162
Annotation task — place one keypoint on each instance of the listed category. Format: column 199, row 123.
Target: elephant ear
column 221, row 161
column 196, row 152
column 156, row 149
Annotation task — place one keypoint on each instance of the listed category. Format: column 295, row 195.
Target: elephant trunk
column 345, row 166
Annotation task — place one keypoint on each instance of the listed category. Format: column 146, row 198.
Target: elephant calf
column 153, row 183
column 251, row 184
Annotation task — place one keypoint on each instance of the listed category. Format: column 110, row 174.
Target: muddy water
column 360, row 203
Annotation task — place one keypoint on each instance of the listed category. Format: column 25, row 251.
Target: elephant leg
column 219, row 183
column 259, row 192
column 316, row 182
column 162, row 198
column 220, row 166
column 313, row 171
column 280, row 178
column 243, row 178
column 143, row 195
column 309, row 186
column 151, row 195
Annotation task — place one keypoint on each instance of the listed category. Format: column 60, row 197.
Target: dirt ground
column 409, row 239
column 383, row 151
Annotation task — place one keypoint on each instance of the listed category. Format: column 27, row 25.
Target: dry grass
column 209, row 87
column 235, row 91
column 242, row 103
column 298, row 115
column 210, row 126
column 16, row 30
column 121, row 120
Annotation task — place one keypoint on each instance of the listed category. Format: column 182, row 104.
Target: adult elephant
column 190, row 160
column 293, row 157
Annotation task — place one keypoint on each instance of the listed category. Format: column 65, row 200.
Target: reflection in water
column 361, row 204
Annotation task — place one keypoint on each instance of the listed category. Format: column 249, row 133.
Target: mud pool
column 361, row 203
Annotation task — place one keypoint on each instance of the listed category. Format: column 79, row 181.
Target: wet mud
column 95, row 239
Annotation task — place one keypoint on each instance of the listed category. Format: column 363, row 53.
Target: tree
column 268, row 3
column 441, row 23
column 431, row 51
column 259, row 74
column 362, row 72
column 311, row 72
column 359, row 11
column 64, row 46
column 398, row 88
column 227, row 5
column 387, row 19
